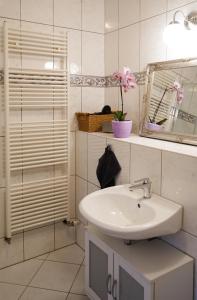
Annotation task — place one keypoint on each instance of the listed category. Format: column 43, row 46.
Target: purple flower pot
column 121, row 129
column 153, row 127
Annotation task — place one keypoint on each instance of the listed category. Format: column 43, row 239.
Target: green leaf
column 119, row 116
column 161, row 122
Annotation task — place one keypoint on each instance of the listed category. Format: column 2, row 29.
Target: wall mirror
column 170, row 101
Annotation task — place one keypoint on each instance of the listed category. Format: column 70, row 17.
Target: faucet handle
column 143, row 180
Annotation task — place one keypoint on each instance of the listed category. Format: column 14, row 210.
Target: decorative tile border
column 101, row 81
column 87, row 81
column 187, row 117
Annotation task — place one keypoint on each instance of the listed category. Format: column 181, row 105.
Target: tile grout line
column 33, row 276
column 32, row 279
column 50, row 25
column 73, row 281
column 12, row 283
column 63, row 262
column 148, row 18
column 36, row 257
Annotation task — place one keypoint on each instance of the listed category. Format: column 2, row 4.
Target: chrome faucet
column 143, row 184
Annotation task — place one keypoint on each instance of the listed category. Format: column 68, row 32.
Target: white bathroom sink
column 125, row 214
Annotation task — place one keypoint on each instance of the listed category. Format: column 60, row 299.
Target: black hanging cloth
column 108, row 168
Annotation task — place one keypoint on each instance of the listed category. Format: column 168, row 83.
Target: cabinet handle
column 114, row 290
column 108, row 283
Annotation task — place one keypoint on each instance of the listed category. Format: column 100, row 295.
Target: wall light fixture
column 181, row 32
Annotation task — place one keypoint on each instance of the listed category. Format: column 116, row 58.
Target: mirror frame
column 169, row 136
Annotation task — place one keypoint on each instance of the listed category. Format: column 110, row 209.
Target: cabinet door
column 128, row 284
column 99, row 269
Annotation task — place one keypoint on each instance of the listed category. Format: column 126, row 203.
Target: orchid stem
column 121, row 98
column 158, row 107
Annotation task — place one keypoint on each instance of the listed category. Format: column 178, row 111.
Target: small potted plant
column 120, row 126
column 156, row 126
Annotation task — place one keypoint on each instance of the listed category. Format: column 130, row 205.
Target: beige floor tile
column 70, row 254
column 43, row 257
column 21, row 273
column 10, row 291
column 77, row 297
column 38, row 241
column 79, row 283
column 41, row 294
column 55, row 276
column 64, row 235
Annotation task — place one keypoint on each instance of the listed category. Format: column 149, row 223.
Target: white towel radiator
column 35, row 144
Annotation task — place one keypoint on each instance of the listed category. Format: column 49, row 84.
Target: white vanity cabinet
column 147, row 270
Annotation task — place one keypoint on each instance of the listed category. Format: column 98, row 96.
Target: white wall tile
column 92, row 188
column 37, row 11
column 111, row 97
column 177, row 3
column 111, row 15
column 72, row 153
column 92, row 99
column 2, row 212
column 11, row 254
column 150, row 8
column 146, row 162
column 38, row 241
column 10, row 9
column 129, row 12
column 129, row 47
column 64, row 235
column 152, row 47
column 81, row 154
column 74, row 51
column 179, row 176
column 93, row 15
column 81, row 235
column 72, row 196
column 75, row 105
column 111, row 53
column 67, row 13
column 122, row 152
column 92, row 54
column 81, row 192
column 96, row 148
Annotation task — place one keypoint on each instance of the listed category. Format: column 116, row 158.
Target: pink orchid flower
column 126, row 78
column 176, row 86
column 179, row 91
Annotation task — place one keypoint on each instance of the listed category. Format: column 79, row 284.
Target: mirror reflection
column 171, row 100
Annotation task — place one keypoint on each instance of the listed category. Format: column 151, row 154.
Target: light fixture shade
column 174, row 34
